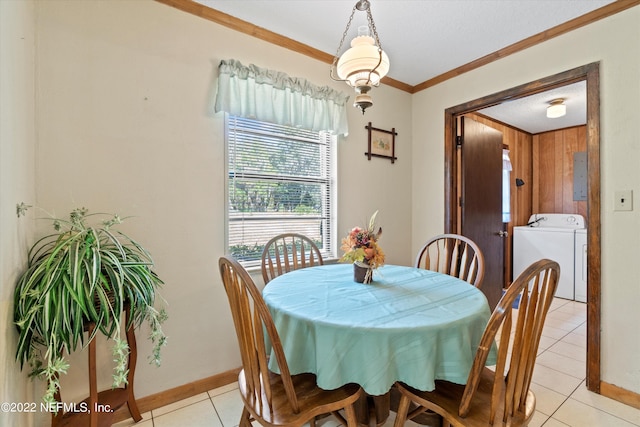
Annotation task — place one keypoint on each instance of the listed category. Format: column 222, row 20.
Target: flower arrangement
column 361, row 247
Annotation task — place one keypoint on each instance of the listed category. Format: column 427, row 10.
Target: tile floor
column 558, row 382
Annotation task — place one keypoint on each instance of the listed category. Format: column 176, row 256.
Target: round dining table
column 408, row 324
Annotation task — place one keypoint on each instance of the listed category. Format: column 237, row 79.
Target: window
column 506, row 186
column 280, row 179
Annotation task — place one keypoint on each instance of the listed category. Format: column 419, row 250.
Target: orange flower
column 369, row 253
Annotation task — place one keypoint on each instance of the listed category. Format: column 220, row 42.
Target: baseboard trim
column 185, row 391
column 620, row 394
column 163, row 398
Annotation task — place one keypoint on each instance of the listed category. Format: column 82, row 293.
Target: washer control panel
column 555, row 220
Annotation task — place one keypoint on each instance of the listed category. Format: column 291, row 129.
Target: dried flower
column 361, row 245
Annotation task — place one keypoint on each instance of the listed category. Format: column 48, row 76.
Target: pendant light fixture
column 556, row 109
column 365, row 63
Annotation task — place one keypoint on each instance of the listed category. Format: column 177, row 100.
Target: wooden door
column 481, row 200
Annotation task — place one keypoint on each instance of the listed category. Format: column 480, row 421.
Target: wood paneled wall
column 519, row 144
column 553, row 170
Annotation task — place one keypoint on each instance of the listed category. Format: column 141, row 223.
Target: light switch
column 624, row 200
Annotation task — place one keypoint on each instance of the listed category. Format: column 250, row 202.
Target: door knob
column 503, row 233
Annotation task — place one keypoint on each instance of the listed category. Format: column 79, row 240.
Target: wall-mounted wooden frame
column 382, row 143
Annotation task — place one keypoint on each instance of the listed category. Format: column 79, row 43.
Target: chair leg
column 352, row 420
column 245, row 418
column 403, row 408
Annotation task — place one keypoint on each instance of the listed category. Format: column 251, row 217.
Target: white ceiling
column 426, row 38
column 530, row 113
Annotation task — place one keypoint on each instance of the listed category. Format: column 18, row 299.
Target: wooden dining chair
column 269, row 398
column 454, row 255
column 501, row 391
column 287, row 252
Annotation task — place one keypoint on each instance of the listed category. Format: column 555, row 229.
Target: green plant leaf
column 82, row 274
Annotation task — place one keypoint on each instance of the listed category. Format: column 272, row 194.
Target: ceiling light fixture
column 365, row 63
column 556, row 109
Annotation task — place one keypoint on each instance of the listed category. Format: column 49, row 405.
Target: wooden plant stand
column 101, row 406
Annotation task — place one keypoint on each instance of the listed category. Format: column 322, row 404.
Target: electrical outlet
column 624, row 200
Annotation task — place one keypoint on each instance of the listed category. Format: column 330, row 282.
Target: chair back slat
column 500, row 364
column 287, row 252
column 254, row 325
column 261, row 353
column 454, row 255
column 517, row 349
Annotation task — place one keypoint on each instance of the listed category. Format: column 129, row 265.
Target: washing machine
column 549, row 236
column 580, row 270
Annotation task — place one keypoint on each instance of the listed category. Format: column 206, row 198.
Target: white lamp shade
column 556, row 109
column 356, row 63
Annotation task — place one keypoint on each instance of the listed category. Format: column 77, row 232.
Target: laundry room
column 547, row 186
column 559, row 194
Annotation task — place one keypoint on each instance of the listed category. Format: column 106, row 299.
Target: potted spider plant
column 83, row 273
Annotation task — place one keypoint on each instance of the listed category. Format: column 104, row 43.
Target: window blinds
column 279, row 180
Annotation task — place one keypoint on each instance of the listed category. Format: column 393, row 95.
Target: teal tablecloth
column 409, row 325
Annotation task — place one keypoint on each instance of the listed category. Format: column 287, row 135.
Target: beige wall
column 615, row 42
column 125, row 124
column 17, row 143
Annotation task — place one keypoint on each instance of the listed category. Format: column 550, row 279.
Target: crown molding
column 245, row 27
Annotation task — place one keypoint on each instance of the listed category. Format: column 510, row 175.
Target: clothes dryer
column 549, row 236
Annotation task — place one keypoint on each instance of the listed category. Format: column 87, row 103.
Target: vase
column 362, row 273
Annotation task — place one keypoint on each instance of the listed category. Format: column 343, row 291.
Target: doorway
column 590, row 74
